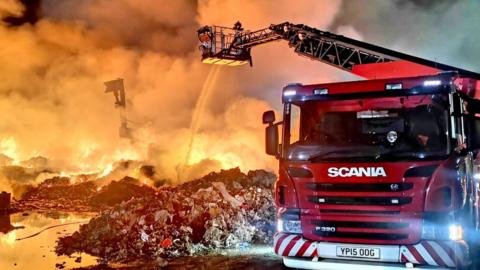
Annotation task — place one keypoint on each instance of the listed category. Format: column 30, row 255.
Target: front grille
column 360, row 224
column 375, row 187
column 371, row 236
column 365, row 211
column 392, row 201
column 360, row 212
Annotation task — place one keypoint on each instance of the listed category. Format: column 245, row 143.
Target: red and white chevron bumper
column 294, row 245
column 436, row 253
column 433, row 253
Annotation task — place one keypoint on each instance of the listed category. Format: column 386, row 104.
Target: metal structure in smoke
column 118, row 89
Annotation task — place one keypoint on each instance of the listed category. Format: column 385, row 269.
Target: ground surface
column 213, row 262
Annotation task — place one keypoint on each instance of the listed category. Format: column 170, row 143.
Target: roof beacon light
column 393, row 86
column 289, row 93
column 432, row 83
column 323, row 91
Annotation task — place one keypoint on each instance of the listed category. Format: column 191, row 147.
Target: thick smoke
column 52, row 69
column 11, row 8
column 52, row 100
column 166, row 27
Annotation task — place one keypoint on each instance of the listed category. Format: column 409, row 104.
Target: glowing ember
column 107, row 170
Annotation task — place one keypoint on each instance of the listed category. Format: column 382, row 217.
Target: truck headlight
column 289, row 226
column 445, row 232
column 455, row 232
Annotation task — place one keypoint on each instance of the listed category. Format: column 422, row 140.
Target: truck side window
column 295, row 128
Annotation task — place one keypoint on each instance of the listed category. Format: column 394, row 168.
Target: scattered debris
column 221, row 210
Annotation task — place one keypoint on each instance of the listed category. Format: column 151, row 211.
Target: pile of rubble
column 119, row 191
column 221, row 210
column 58, row 193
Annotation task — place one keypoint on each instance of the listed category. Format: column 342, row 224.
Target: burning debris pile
column 119, row 191
column 58, row 193
column 221, row 210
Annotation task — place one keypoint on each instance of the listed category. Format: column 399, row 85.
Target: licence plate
column 358, row 252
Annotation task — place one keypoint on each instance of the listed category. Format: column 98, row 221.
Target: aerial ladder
column 232, row 47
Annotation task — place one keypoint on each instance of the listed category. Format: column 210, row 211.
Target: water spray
column 199, row 110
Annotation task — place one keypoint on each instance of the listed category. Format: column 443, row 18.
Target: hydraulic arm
column 232, row 46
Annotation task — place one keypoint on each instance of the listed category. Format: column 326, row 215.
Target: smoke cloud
column 11, row 8
column 52, row 69
column 52, row 100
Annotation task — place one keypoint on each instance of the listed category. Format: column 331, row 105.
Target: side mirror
column 268, row 117
column 271, row 140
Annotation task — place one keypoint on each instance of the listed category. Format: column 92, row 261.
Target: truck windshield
column 376, row 129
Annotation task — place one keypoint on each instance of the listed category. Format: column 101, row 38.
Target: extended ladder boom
column 232, row 46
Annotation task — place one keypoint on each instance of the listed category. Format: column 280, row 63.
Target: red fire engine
column 385, row 171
